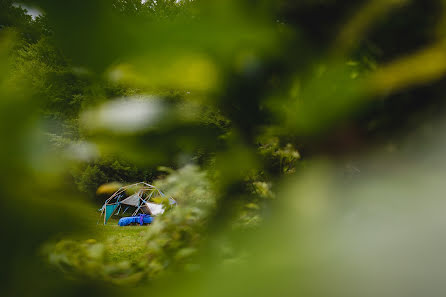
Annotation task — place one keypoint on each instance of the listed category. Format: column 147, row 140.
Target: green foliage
column 102, row 91
column 279, row 159
column 61, row 91
column 89, row 176
column 174, row 238
column 110, row 253
column 14, row 16
column 163, row 9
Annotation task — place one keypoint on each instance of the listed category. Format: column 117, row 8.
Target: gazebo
column 140, row 197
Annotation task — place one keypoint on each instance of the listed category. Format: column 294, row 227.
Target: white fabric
column 132, row 200
column 155, row 209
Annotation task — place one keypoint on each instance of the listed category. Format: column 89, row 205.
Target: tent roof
column 132, row 200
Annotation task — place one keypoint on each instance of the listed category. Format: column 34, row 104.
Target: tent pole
column 139, row 207
column 136, row 211
column 102, row 211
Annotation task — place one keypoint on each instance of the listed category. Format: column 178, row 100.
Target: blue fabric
column 109, row 209
column 140, row 219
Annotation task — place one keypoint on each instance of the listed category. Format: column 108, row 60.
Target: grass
column 121, row 243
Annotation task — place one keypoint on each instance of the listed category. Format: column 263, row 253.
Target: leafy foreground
column 303, row 141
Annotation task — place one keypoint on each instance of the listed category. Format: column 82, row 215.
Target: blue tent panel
column 109, row 209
